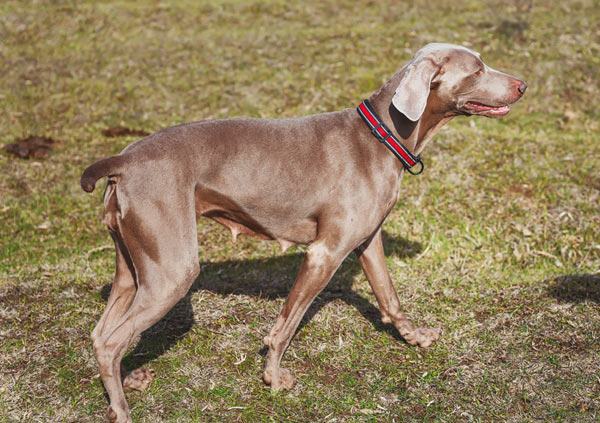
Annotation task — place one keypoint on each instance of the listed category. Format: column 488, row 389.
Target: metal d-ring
column 408, row 169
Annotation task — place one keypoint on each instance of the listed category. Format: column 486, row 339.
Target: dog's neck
column 413, row 135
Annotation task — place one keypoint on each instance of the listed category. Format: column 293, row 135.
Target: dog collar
column 384, row 135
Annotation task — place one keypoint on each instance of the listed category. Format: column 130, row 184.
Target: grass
column 498, row 242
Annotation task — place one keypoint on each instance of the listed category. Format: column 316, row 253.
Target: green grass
column 497, row 243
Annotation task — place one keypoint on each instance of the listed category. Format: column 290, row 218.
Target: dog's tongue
column 484, row 107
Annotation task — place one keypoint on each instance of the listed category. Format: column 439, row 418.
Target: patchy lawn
column 497, row 243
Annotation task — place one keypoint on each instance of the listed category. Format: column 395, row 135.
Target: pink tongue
column 482, row 106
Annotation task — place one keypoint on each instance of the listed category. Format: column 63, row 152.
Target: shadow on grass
column 576, row 288
column 269, row 278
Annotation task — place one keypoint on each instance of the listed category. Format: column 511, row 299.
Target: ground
column 497, row 242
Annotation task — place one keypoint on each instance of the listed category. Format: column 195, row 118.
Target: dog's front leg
column 372, row 260
column 319, row 265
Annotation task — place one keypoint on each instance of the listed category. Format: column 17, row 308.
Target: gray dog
column 325, row 180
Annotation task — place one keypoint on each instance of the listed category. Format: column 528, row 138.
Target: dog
column 326, row 180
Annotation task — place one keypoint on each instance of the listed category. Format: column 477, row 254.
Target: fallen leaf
column 44, row 225
column 570, row 115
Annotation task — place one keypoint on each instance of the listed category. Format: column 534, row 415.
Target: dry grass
column 498, row 243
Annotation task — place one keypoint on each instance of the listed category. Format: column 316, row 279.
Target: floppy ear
column 411, row 94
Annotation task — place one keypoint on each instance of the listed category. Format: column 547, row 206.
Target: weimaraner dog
column 326, row 180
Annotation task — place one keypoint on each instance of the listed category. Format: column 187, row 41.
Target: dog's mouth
column 477, row 108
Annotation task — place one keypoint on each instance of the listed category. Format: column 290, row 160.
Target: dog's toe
column 113, row 416
column 286, row 380
column 138, row 379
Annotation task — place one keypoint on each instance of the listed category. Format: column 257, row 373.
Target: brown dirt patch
column 32, row 146
column 123, row 131
column 520, row 189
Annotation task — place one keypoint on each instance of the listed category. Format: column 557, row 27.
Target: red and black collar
column 384, row 135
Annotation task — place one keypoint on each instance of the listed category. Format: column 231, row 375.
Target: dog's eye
column 479, row 72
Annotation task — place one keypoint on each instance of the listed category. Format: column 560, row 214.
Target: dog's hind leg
column 121, row 296
column 123, row 288
column 163, row 250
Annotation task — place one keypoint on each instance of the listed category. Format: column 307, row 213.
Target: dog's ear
column 411, row 94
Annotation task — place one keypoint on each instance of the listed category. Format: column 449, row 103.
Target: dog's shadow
column 269, row 278
column 576, row 288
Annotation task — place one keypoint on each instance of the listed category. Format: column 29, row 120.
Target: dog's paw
column 284, row 381
column 139, row 379
column 422, row 337
column 113, row 417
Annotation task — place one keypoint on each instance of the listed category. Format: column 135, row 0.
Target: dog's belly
column 286, row 229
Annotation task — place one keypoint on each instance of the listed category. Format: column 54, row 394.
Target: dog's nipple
column 234, row 234
column 285, row 244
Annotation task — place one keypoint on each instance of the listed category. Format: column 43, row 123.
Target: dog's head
column 459, row 81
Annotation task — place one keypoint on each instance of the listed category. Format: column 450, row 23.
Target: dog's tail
column 110, row 166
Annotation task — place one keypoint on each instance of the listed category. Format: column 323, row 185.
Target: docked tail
column 105, row 167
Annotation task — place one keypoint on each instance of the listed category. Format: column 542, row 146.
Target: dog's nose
column 522, row 87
